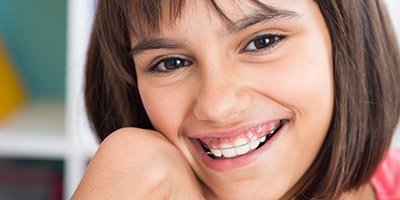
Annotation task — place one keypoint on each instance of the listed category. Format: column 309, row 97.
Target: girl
column 261, row 99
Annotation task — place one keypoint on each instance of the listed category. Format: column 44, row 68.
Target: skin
column 225, row 84
column 226, row 88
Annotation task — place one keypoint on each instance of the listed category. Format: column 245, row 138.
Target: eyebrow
column 154, row 43
column 264, row 15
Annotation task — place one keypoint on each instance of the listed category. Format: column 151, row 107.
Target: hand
column 135, row 163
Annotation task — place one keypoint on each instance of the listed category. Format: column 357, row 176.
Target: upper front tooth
column 240, row 142
column 227, row 151
column 241, row 146
column 242, row 149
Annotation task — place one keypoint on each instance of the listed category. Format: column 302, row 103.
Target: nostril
column 216, row 112
column 222, row 106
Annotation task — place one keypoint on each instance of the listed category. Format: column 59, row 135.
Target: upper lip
column 228, row 133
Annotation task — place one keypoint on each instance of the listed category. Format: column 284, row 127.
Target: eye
column 263, row 42
column 170, row 64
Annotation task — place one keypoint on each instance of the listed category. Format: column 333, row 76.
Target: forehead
column 153, row 17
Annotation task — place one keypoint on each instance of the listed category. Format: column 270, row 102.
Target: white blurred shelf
column 36, row 129
column 396, row 137
column 393, row 8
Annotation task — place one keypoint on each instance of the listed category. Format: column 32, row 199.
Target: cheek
column 303, row 83
column 306, row 85
column 165, row 107
column 307, row 89
column 304, row 79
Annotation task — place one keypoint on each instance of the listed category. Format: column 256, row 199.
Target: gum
column 250, row 135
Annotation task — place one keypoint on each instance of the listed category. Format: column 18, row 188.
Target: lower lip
column 229, row 164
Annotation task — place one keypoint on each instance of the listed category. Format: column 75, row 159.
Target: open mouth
column 242, row 147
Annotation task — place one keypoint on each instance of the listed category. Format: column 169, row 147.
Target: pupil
column 263, row 42
column 174, row 63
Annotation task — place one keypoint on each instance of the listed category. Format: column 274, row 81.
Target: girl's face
column 248, row 105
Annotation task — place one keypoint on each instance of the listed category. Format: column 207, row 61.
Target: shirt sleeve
column 386, row 179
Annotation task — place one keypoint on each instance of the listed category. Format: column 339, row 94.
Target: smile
column 244, row 144
column 233, row 149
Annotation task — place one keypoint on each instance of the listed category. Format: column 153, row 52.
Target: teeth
column 227, row 151
column 216, row 152
column 241, row 146
column 263, row 138
column 240, row 142
column 254, row 144
column 242, row 149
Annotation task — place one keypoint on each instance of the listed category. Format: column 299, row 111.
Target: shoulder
column 386, row 179
column 129, row 163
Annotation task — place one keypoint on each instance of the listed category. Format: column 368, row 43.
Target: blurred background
column 45, row 139
column 42, row 123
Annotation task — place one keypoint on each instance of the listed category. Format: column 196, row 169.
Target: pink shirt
column 386, row 180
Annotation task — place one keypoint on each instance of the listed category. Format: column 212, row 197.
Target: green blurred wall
column 35, row 31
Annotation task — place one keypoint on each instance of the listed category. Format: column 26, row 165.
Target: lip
column 230, row 133
column 229, row 164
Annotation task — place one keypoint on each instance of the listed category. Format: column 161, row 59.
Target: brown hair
column 366, row 73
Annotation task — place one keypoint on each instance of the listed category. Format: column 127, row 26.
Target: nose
column 222, row 96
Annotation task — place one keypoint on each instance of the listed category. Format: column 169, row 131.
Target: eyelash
column 182, row 62
column 268, row 42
